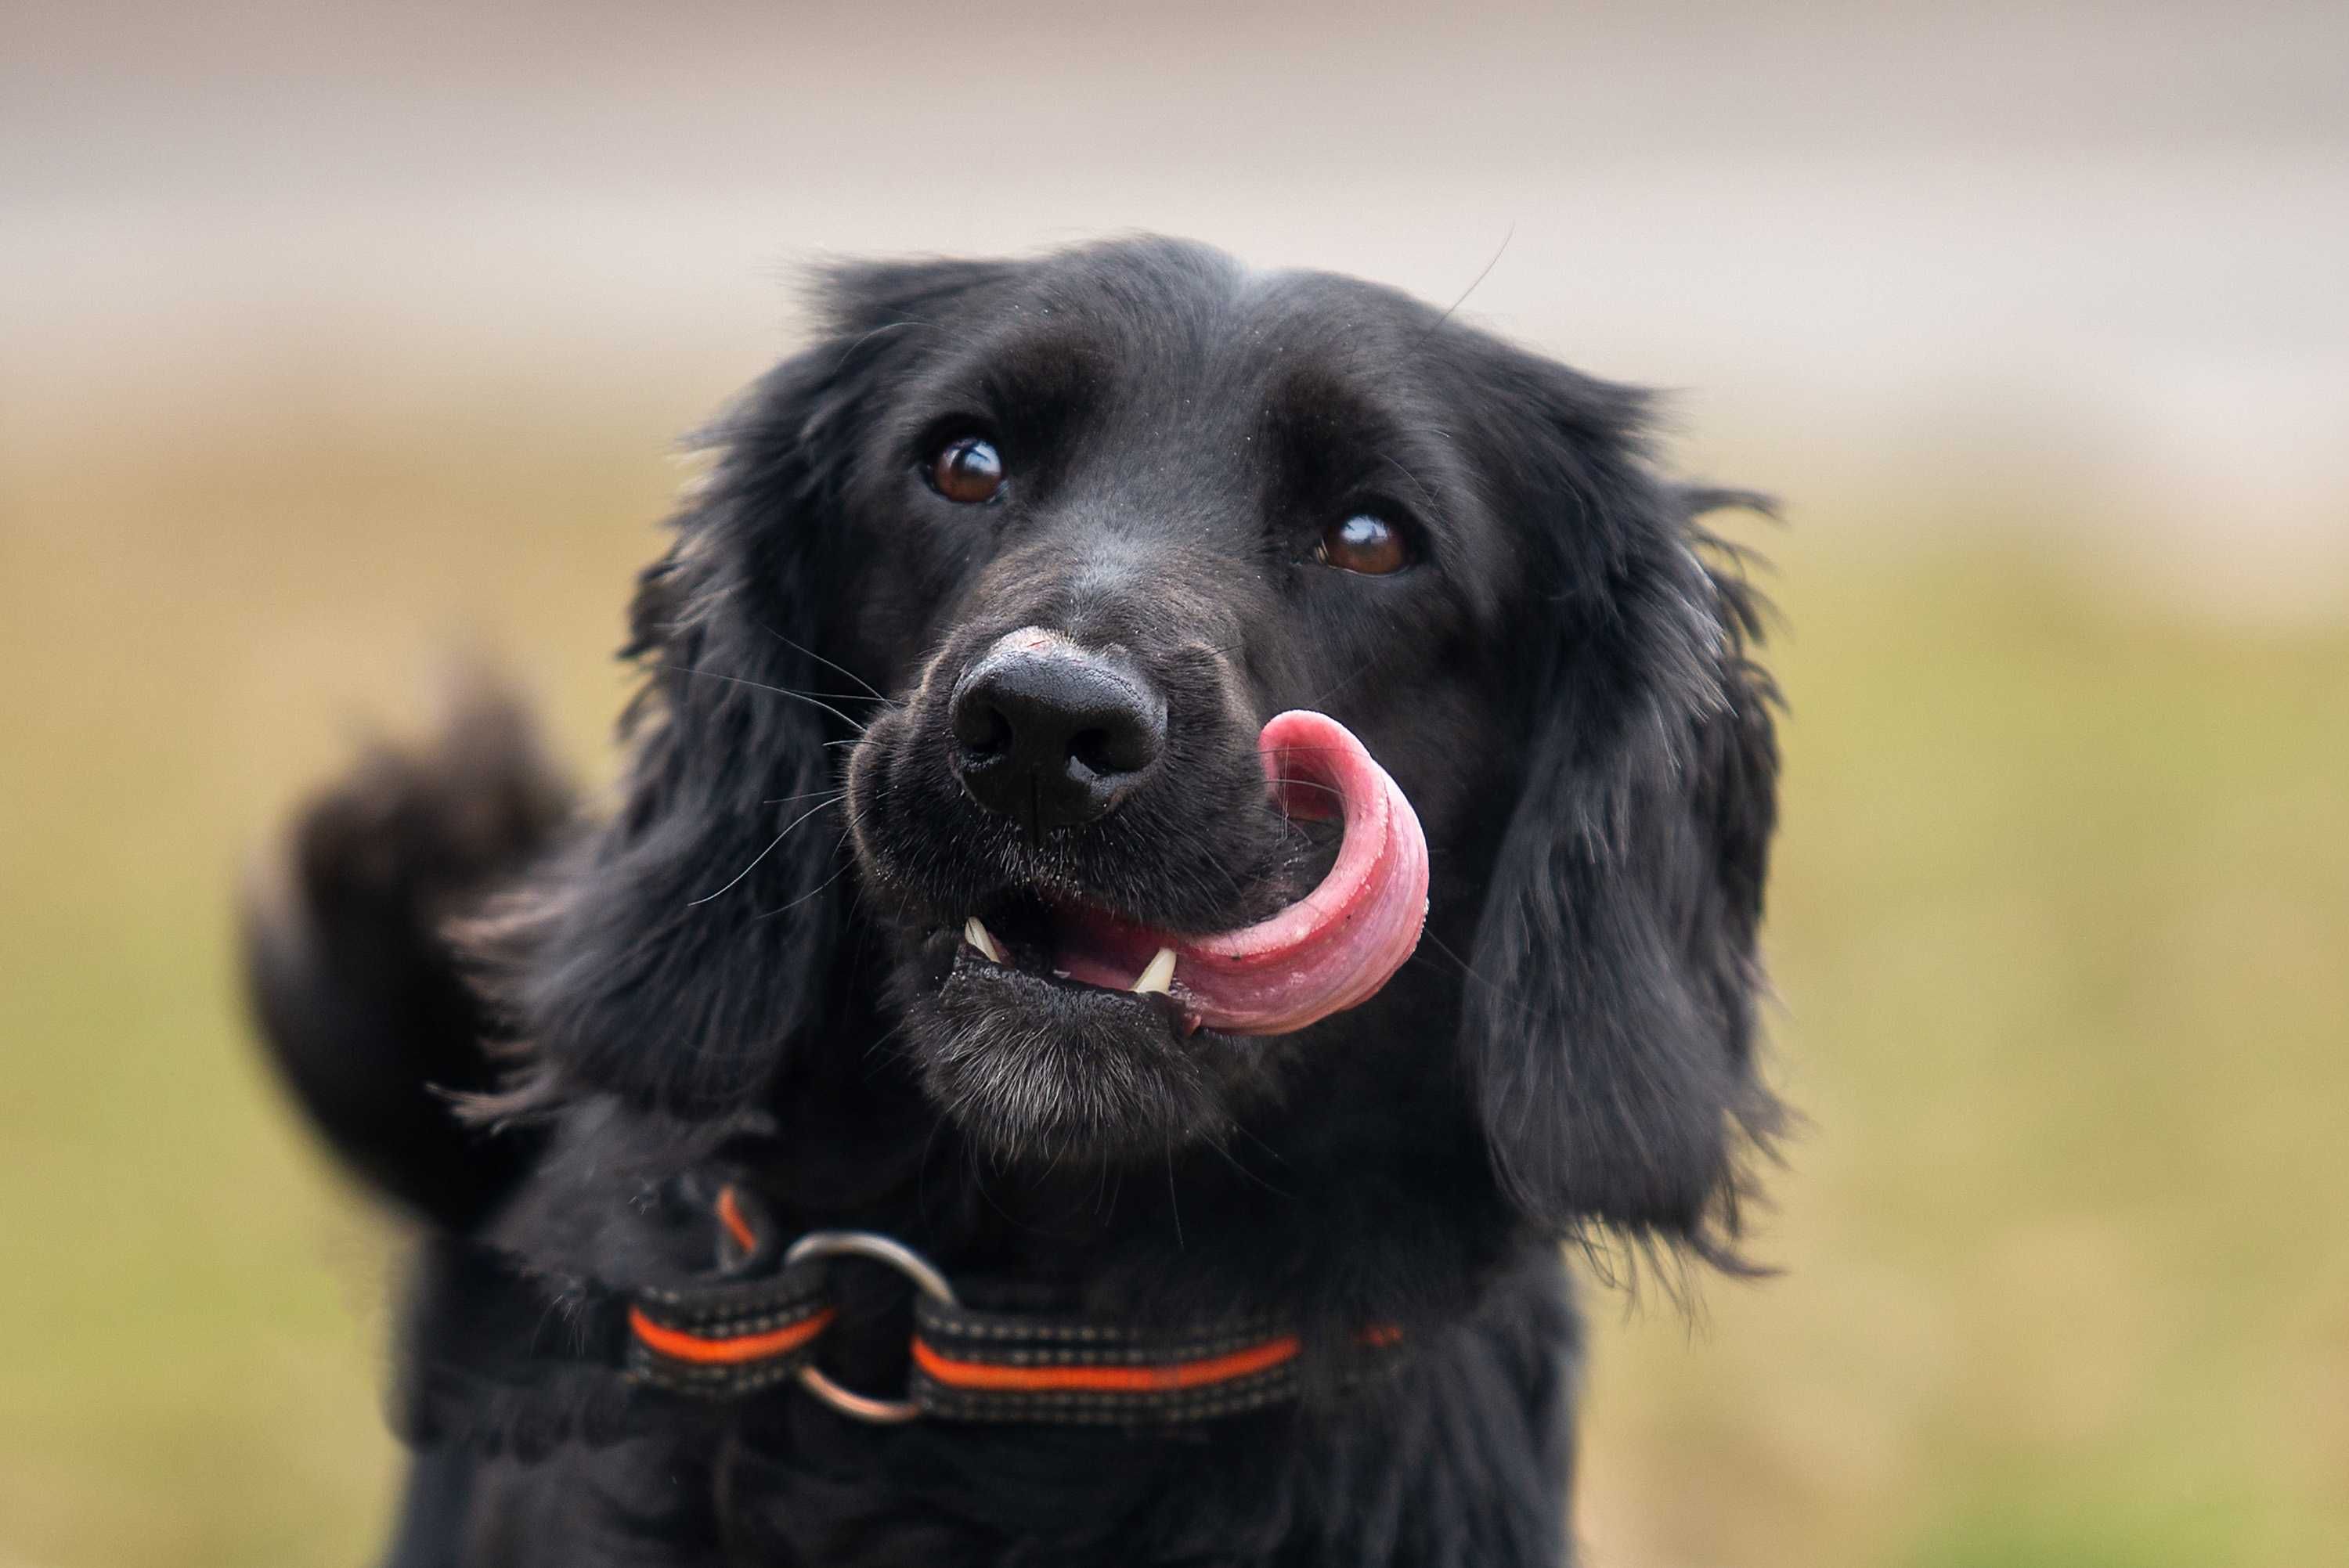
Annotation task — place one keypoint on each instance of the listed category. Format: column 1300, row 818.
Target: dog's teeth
column 979, row 936
column 1158, row 978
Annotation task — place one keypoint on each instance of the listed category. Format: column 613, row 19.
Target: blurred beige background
column 333, row 338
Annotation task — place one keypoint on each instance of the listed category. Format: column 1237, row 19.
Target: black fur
column 372, row 1026
column 755, row 961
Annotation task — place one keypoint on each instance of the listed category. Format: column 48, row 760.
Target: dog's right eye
column 967, row 470
column 1364, row 544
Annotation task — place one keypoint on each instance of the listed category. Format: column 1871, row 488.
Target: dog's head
column 967, row 653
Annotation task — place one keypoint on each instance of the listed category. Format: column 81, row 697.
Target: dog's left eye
column 1369, row 545
column 967, row 470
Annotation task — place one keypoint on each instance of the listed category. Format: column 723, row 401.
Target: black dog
column 953, row 738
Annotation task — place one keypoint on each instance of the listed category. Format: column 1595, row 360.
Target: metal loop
column 879, row 1249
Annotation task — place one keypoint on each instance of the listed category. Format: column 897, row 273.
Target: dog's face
column 1083, row 525
column 1118, row 518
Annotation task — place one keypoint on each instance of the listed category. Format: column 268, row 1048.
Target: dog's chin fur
column 1033, row 1069
column 754, row 961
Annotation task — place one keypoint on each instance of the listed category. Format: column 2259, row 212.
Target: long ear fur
column 675, row 953
column 1610, row 1027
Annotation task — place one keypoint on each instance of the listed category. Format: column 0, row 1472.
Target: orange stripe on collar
column 1171, row 1378
column 730, row 1214
column 733, row 1351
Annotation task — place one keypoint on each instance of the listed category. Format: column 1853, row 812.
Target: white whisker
column 878, row 695
column 762, row 685
column 763, row 854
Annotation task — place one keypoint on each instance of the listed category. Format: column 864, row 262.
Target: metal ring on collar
column 879, row 1249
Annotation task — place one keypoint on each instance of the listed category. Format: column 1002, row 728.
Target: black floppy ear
column 1609, row 1028
column 673, row 954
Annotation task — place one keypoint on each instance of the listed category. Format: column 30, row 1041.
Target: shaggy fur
column 751, row 964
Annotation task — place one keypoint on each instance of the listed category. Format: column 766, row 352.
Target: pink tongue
column 1336, row 947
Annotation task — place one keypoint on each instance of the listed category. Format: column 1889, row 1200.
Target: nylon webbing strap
column 729, row 1338
column 749, row 1329
column 994, row 1367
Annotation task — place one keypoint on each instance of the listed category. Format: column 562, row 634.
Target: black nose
column 1050, row 734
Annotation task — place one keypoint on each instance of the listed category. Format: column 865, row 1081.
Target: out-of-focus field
column 2061, row 927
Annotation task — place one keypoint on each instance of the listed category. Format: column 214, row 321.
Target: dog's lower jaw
column 1034, row 1070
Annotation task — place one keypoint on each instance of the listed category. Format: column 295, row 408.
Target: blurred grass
column 2060, row 928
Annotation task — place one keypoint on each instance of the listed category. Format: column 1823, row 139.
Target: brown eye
column 967, row 470
column 1363, row 543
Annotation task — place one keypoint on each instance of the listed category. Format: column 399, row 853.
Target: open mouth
column 1330, row 950
column 1023, row 936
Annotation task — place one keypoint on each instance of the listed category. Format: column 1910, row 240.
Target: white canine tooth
column 1158, row 978
column 979, row 936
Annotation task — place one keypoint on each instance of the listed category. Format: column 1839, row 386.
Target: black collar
column 759, row 1317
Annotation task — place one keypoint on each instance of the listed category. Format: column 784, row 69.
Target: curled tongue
column 1336, row 947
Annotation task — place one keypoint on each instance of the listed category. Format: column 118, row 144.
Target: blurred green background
column 337, row 346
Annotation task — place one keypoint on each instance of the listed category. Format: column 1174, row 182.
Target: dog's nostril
column 1090, row 748
column 982, row 730
column 1128, row 743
